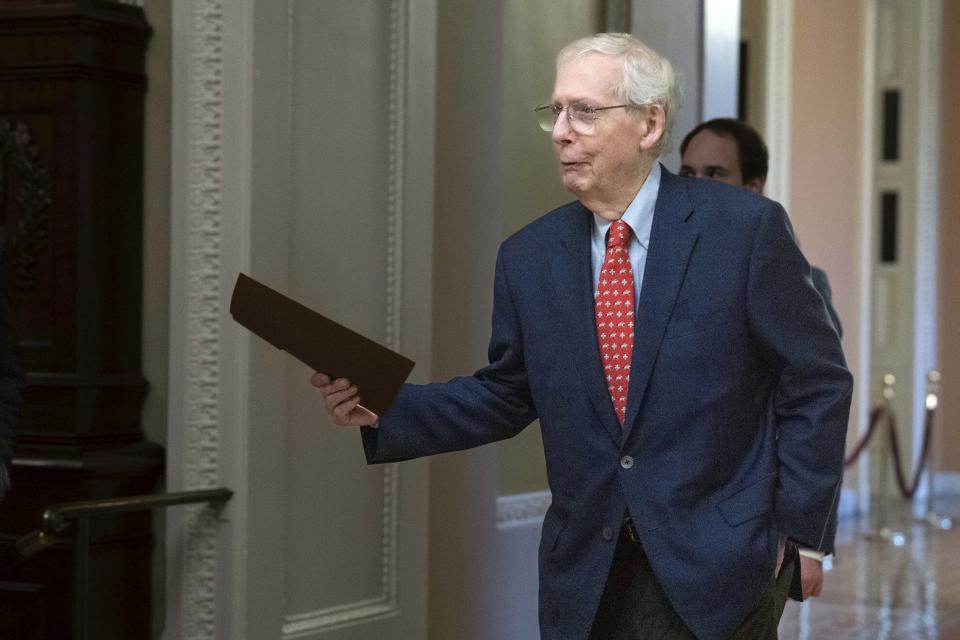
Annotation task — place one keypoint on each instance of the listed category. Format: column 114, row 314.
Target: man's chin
column 572, row 182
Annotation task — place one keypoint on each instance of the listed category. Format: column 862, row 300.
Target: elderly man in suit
column 692, row 394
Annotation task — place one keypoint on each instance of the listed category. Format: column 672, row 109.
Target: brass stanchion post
column 931, row 517
column 881, row 531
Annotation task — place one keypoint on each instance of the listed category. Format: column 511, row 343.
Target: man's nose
column 561, row 128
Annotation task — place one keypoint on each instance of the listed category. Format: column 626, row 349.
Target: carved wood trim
column 34, row 198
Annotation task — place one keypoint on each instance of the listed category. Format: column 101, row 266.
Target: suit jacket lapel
column 672, row 239
column 573, row 279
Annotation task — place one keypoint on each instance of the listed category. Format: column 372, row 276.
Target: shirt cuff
column 810, row 553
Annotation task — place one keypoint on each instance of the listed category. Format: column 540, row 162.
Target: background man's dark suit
column 736, row 417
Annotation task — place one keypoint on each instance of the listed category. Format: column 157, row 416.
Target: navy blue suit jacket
column 737, row 407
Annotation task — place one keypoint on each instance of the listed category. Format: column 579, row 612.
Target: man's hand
column 343, row 402
column 811, row 576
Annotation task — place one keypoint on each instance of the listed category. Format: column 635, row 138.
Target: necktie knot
column 619, row 234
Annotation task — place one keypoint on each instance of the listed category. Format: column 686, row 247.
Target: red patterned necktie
column 614, row 308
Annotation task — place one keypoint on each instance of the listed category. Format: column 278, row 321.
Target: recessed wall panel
column 338, row 515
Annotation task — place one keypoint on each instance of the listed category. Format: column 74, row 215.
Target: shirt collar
column 639, row 213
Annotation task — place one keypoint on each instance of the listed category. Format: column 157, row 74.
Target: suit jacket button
column 607, row 534
column 626, row 462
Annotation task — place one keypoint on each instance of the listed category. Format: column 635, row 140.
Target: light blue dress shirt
column 639, row 215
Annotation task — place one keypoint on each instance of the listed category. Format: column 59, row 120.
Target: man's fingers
column 344, row 409
column 334, row 392
column 323, row 382
column 342, row 401
column 336, row 385
column 336, row 398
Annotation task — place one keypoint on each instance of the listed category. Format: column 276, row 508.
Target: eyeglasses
column 581, row 117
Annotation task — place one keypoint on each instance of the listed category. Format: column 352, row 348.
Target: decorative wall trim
column 397, row 115
column 306, row 624
column 203, row 295
column 303, row 624
column 522, row 509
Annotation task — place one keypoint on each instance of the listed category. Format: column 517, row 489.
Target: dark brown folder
column 320, row 343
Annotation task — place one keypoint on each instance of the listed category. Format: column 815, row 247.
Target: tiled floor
column 878, row 590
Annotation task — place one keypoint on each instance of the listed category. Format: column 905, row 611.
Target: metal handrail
column 57, row 517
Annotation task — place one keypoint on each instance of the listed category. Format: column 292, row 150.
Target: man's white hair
column 648, row 77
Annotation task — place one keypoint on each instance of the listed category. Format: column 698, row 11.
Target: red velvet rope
column 865, row 440
column 907, row 490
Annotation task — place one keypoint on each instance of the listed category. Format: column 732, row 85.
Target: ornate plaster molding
column 201, row 442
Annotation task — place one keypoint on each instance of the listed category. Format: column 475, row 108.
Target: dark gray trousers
column 634, row 607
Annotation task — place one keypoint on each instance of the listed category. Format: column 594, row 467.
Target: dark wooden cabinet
column 72, row 88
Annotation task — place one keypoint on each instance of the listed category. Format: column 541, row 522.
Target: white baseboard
column 522, row 510
column 519, row 518
column 946, row 483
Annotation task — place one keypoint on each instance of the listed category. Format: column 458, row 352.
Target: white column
column 721, row 58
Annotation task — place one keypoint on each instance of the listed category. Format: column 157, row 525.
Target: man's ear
column 654, row 121
column 755, row 185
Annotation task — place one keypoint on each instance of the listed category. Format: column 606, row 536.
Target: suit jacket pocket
column 746, row 504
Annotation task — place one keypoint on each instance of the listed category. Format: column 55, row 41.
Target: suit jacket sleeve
column 822, row 285
column 812, row 402
column 493, row 404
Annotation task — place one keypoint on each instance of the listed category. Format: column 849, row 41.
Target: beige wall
column 825, row 152
column 949, row 356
